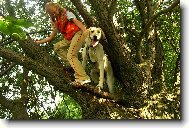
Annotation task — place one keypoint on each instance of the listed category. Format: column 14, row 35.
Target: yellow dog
column 96, row 54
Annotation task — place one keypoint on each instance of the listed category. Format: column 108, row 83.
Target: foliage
column 67, row 109
column 14, row 27
column 171, row 44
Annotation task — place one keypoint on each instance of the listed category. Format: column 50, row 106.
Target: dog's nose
column 95, row 37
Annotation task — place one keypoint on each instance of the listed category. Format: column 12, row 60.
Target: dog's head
column 95, row 35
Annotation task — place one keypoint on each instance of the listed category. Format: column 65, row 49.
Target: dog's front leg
column 101, row 78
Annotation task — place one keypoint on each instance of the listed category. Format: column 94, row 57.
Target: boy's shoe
column 82, row 82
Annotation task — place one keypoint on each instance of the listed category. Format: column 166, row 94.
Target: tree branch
column 35, row 52
column 9, row 40
column 6, row 39
column 5, row 102
column 155, row 16
column 86, row 16
column 112, row 8
column 7, row 70
column 15, row 106
column 152, row 19
column 23, row 86
column 5, row 42
column 93, row 90
column 41, row 31
column 29, row 63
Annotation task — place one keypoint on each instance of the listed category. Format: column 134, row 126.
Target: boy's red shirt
column 66, row 27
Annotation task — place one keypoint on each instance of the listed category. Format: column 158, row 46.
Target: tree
column 142, row 43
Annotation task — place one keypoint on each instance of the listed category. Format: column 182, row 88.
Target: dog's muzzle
column 94, row 41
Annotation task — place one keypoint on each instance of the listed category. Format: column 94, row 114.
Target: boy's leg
column 61, row 48
column 76, row 44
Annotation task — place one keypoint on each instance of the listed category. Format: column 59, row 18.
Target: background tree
column 142, row 43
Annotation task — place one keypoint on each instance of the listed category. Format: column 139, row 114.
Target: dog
column 94, row 49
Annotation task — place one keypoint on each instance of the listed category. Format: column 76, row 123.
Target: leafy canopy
column 14, row 27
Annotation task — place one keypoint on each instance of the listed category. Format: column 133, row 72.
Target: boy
column 74, row 33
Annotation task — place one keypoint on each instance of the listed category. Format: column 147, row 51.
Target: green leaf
column 23, row 23
column 3, row 27
column 15, row 27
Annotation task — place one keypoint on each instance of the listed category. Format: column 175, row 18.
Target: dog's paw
column 100, row 86
column 97, row 89
column 76, row 84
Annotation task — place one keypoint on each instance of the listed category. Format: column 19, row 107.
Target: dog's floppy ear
column 90, row 30
column 103, row 35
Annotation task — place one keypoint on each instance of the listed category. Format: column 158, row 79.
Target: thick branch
column 28, row 62
column 86, row 16
column 93, row 90
column 112, row 8
column 35, row 52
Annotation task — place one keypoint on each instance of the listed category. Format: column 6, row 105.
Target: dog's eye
column 98, row 31
column 92, row 31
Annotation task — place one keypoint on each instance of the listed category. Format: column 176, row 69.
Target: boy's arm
column 73, row 18
column 52, row 35
column 79, row 24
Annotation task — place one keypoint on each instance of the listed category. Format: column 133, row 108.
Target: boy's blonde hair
column 49, row 5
